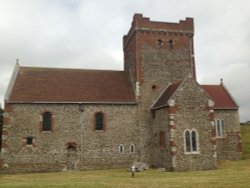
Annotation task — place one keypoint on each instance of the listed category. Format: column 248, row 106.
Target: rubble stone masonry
column 49, row 152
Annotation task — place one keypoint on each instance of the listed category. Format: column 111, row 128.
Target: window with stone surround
column 219, row 128
column 47, row 121
column 99, row 121
column 191, row 141
column 132, row 148
column 121, row 148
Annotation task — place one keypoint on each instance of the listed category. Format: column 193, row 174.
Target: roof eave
column 226, row 108
column 159, row 107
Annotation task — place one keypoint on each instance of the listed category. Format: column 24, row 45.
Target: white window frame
column 197, row 151
column 219, row 128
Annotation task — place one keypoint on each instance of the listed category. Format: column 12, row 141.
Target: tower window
column 160, row 43
column 171, row 44
column 154, row 87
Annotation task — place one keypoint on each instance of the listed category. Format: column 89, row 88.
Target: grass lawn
column 229, row 174
column 245, row 136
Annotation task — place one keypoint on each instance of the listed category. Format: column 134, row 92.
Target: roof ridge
column 72, row 69
column 39, row 84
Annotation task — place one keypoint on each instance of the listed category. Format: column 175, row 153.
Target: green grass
column 245, row 135
column 229, row 174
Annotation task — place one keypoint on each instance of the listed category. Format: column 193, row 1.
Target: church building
column 154, row 111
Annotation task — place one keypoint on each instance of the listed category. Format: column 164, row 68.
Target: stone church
column 154, row 111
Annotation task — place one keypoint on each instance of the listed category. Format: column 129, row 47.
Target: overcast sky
column 88, row 34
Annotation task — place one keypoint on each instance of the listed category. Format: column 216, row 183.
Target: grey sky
column 88, row 34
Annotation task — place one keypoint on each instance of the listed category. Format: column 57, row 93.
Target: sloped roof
column 218, row 93
column 166, row 95
column 221, row 97
column 49, row 85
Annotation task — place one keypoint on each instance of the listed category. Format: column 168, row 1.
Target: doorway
column 72, row 156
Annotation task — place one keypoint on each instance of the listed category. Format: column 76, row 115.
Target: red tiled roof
column 71, row 85
column 221, row 97
column 166, row 95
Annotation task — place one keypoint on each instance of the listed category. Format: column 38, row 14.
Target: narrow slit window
column 132, row 148
column 121, row 149
column 194, row 139
column 187, row 141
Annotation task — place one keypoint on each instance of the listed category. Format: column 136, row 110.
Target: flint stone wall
column 159, row 68
column 191, row 103
column 94, row 149
column 161, row 156
column 229, row 146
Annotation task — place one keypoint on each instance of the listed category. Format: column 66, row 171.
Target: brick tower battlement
column 141, row 23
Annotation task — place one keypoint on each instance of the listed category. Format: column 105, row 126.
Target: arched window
column 132, row 148
column 160, row 43
column 171, row 44
column 47, row 121
column 191, row 141
column 121, row 148
column 99, row 124
column 194, row 141
column 187, row 141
